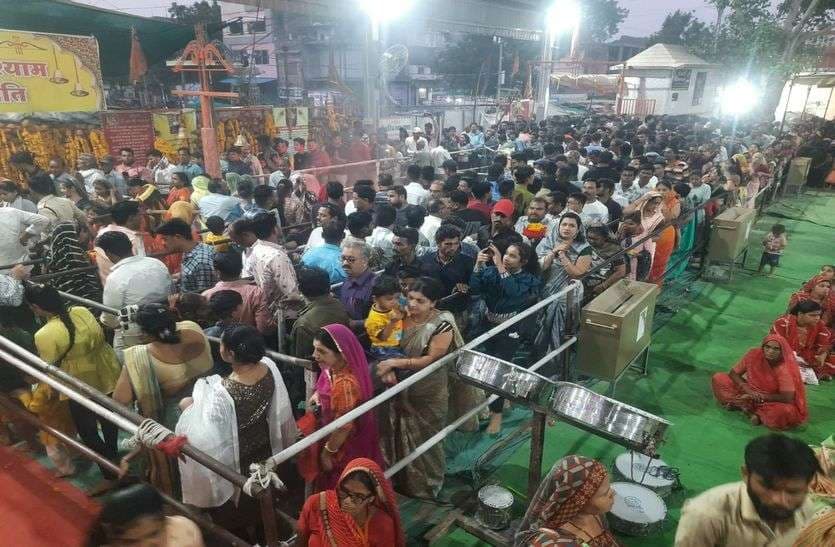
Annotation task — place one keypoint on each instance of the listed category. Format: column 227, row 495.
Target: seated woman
column 73, row 340
column 808, row 337
column 766, row 385
column 413, row 416
column 343, row 384
column 361, row 511
column 157, row 375
column 239, row 420
column 508, row 283
column 569, row 507
column 818, row 289
column 603, row 247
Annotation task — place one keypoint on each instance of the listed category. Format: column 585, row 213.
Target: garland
column 45, row 142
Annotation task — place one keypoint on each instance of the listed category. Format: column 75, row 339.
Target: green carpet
column 708, row 333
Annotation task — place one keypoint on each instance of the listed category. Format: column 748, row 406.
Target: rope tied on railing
column 262, row 474
column 153, row 434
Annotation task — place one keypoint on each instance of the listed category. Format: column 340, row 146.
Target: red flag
column 138, row 64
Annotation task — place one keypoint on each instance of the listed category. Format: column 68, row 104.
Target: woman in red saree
column 361, row 511
column 766, row 385
column 808, row 337
column 818, row 289
column 343, row 384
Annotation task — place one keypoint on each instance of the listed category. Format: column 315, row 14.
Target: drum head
column 638, row 504
column 632, row 466
column 495, row 496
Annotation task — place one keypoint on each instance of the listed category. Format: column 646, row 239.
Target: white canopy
column 664, row 56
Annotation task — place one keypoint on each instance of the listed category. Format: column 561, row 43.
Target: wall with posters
column 49, row 73
column 292, row 122
column 175, row 129
column 129, row 129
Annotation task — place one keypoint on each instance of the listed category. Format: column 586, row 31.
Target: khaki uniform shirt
column 725, row 516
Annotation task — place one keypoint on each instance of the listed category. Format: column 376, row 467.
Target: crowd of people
column 372, row 280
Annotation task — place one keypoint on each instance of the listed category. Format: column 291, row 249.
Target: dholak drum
column 637, row 511
column 494, row 503
column 646, row 471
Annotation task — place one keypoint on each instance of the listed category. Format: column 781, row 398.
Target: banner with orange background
column 42, row 72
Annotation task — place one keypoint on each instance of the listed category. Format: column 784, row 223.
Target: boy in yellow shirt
column 384, row 323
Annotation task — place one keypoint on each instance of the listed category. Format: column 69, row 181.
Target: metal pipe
column 443, row 433
column 289, row 359
column 9, row 406
column 24, row 263
column 370, row 404
column 106, row 413
column 121, row 416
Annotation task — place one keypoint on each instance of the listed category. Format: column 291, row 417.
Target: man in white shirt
column 54, row 208
column 646, row 181
column 161, row 170
column 272, row 269
column 435, row 208
column 125, row 219
column 89, row 171
column 17, row 228
column 769, row 507
column 416, row 194
column 439, row 155
column 627, row 189
column 327, row 214
column 594, row 212
column 411, row 142
column 133, row 280
column 382, row 237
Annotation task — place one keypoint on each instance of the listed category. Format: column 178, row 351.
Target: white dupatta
column 211, row 425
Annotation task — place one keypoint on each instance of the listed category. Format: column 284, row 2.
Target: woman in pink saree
column 343, row 384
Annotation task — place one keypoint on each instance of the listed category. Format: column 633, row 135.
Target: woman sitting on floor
column 766, row 385
column 808, row 337
column 569, row 507
column 818, row 289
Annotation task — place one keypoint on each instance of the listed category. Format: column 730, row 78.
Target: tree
column 199, row 12
column 683, row 28
column 462, row 61
column 474, row 55
column 600, row 20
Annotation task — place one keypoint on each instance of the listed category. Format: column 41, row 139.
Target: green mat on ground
column 711, row 328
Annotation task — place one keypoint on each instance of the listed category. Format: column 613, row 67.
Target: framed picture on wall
column 681, row 78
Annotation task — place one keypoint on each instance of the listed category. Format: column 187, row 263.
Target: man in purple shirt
column 355, row 294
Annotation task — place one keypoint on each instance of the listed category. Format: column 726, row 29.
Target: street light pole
column 544, row 93
column 499, row 79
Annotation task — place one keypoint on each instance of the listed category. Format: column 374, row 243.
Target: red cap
column 505, row 207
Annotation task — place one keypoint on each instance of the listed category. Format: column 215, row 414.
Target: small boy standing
column 773, row 246
column 384, row 323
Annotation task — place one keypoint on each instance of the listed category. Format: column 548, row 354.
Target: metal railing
column 391, row 392
column 123, row 418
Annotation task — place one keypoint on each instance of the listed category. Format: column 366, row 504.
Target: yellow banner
column 49, row 73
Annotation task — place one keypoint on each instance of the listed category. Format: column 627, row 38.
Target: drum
column 494, row 503
column 637, row 511
column 650, row 472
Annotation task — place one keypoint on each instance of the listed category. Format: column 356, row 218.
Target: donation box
column 729, row 236
column 798, row 172
column 615, row 328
